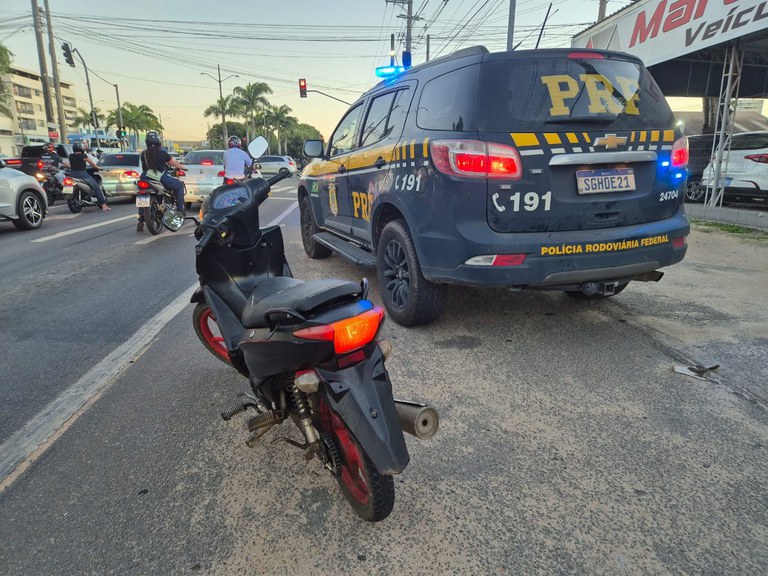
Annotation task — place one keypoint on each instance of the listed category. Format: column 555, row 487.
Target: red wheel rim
column 215, row 342
column 352, row 466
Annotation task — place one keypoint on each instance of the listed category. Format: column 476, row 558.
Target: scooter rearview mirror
column 173, row 219
column 258, row 146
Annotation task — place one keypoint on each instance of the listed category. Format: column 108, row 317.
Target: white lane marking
column 63, row 216
column 161, row 236
column 30, row 441
column 57, row 414
column 83, row 229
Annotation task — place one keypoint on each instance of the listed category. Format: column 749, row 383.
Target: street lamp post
column 221, row 99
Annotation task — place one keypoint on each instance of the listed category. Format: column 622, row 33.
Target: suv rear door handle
column 342, row 169
column 380, row 162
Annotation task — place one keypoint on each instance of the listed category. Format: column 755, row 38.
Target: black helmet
column 234, row 142
column 77, row 146
column 153, row 139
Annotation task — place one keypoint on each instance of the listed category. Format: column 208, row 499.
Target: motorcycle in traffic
column 79, row 193
column 53, row 185
column 310, row 350
column 154, row 200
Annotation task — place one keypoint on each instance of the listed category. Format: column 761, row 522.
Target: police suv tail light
column 476, row 159
column 497, row 260
column 680, row 153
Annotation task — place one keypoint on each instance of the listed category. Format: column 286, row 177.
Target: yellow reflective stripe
column 552, row 138
column 669, row 135
column 395, row 153
column 642, row 136
column 654, row 136
column 426, row 148
column 632, row 137
column 404, row 153
column 586, row 137
column 572, row 138
column 525, row 139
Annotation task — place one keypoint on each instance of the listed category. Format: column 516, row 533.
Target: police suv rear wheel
column 410, row 299
column 312, row 248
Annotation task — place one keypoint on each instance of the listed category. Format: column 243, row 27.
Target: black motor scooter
column 309, row 349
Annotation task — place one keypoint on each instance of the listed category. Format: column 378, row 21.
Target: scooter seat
column 285, row 292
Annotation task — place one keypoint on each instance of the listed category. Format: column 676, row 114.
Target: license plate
column 605, row 180
column 67, row 190
column 142, row 201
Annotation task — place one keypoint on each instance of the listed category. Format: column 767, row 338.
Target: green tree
column 214, row 136
column 136, row 118
column 6, row 56
column 298, row 135
column 84, row 120
column 252, row 101
column 227, row 106
column 280, row 119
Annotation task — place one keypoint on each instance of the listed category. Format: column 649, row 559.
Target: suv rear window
column 32, row 151
column 551, row 94
column 204, row 158
column 119, row 160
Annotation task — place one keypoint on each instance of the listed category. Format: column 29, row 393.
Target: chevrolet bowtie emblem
column 611, row 141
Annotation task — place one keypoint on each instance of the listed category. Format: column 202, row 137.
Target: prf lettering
column 605, row 97
column 361, row 204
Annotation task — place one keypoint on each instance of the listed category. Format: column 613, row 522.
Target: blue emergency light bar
column 389, row 71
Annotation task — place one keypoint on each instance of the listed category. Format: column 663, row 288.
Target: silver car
column 275, row 164
column 119, row 173
column 203, row 171
column 22, row 200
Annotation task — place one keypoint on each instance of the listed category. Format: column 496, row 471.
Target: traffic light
column 302, row 87
column 67, row 48
column 121, row 133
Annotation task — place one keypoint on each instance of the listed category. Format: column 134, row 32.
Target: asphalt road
column 567, row 444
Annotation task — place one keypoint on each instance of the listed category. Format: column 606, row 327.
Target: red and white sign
column 659, row 30
column 53, row 134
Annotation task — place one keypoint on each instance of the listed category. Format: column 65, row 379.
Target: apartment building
column 29, row 124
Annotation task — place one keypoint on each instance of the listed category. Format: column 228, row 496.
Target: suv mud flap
column 362, row 396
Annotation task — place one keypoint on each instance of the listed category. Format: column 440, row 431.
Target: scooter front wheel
column 208, row 332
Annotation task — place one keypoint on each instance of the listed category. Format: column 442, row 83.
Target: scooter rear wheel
column 153, row 218
column 74, row 205
column 206, row 329
column 370, row 493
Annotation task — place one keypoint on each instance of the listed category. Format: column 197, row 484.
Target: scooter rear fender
column 362, row 396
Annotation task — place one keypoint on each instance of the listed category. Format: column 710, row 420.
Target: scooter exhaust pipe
column 417, row 419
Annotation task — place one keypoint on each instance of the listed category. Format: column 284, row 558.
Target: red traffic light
column 302, row 87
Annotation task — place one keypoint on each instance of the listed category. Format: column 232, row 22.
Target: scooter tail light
column 680, row 153
column 143, row 185
column 68, row 182
column 39, row 164
column 180, row 173
column 348, row 334
column 229, row 180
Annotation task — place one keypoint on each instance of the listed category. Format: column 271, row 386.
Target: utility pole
column 511, row 27
column 409, row 20
column 119, row 115
column 601, row 10
column 41, row 58
column 94, row 119
column 56, row 83
column 221, row 100
column 427, row 47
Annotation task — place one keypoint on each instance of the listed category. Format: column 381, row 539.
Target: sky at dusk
column 156, row 51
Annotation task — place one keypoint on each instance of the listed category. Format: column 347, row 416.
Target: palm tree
column 226, row 106
column 84, row 119
column 281, row 120
column 252, row 100
column 136, row 117
column 5, row 95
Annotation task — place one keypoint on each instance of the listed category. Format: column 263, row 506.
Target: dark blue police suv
column 546, row 169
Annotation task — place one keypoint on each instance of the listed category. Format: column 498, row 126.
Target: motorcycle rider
column 237, row 162
column 52, row 162
column 154, row 165
column 78, row 162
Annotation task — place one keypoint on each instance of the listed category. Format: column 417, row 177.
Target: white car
column 275, row 164
column 22, row 200
column 203, row 171
column 745, row 176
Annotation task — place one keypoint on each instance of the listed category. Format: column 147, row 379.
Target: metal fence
column 741, row 194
